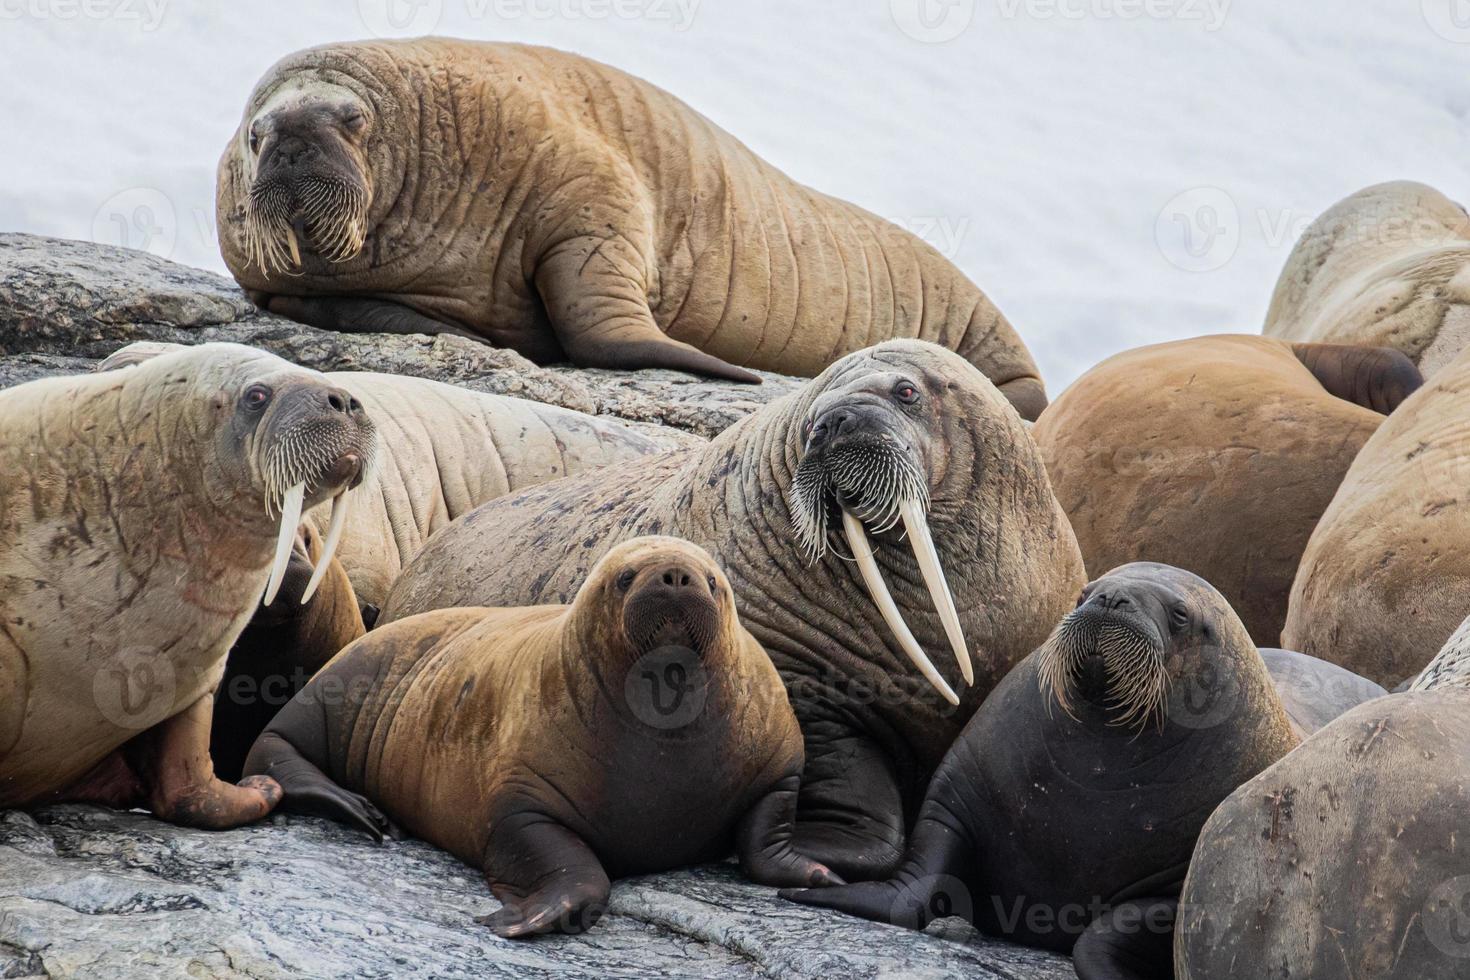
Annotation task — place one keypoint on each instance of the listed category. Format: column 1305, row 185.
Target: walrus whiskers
column 1133, row 661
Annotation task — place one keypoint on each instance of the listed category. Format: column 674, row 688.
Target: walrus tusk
column 334, row 534
column 917, row 525
column 857, row 540
column 290, row 521
column 291, row 244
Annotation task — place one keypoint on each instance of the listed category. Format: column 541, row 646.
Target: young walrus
column 1065, row 814
column 143, row 516
column 556, row 747
column 545, row 202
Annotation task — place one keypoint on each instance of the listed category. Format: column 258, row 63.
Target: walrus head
column 285, row 438
column 670, row 594
column 1136, row 632
column 875, row 441
column 310, row 178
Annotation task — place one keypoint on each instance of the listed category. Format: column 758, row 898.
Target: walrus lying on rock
column 893, row 508
column 1216, row 454
column 1065, row 814
column 544, row 202
column 443, row 451
column 1385, row 577
column 143, row 514
column 1345, row 859
column 639, row 729
column 1388, row 266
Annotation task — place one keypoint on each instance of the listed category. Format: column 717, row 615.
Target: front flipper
column 850, row 814
column 764, row 842
column 1377, row 378
column 1133, row 940
column 601, row 317
column 546, row 877
column 930, row 884
column 308, row 790
column 346, row 314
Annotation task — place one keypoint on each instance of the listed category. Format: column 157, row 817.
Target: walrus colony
column 865, row 601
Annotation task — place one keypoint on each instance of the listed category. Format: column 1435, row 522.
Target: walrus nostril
column 676, row 578
column 340, row 401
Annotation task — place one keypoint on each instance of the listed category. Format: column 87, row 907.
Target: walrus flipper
column 1377, row 378
column 1133, row 940
column 763, row 842
column 546, row 877
column 357, row 315
column 601, row 317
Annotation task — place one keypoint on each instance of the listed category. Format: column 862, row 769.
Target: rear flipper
column 850, row 810
column 288, row 753
column 1133, row 940
column 1377, row 378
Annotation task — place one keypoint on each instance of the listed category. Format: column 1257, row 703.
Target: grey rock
column 76, row 302
column 86, row 892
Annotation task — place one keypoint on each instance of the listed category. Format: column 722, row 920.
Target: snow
column 1060, row 151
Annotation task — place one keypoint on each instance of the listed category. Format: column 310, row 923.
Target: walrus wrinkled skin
column 548, row 203
column 904, row 451
column 1387, row 267
column 639, row 729
column 142, row 515
column 284, row 644
column 1065, row 814
column 443, row 451
column 1345, row 859
column 1385, row 577
column 1217, row 454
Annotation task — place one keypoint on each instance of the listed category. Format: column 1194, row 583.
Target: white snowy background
column 1111, row 172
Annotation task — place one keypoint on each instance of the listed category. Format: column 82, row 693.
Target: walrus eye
column 906, row 393
column 625, row 580
column 354, row 121
column 256, row 397
column 1179, row 617
column 711, row 580
column 254, row 140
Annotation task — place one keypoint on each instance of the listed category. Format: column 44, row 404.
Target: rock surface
column 86, row 892
column 67, row 304
column 94, row 893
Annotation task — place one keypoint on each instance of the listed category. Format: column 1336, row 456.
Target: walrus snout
column 671, row 603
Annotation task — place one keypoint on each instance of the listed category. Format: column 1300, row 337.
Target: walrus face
column 294, row 439
column 312, row 184
column 670, row 597
column 1125, row 644
column 865, row 464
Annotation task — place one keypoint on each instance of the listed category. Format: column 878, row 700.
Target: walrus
column 894, row 543
column 1065, row 814
column 544, row 202
column 1216, row 454
column 1385, row 576
column 144, row 516
column 1345, row 858
column 1387, row 267
column 443, row 451
column 639, row 729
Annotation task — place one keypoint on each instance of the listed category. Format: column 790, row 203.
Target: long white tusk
column 334, row 534
column 290, row 521
column 857, row 540
column 917, row 525
column 295, row 253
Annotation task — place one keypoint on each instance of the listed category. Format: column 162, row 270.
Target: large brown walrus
column 1387, row 267
column 143, row 514
column 443, row 451
column 892, row 509
column 548, row 203
column 1346, row 858
column 1385, row 577
column 1216, row 454
column 638, row 729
